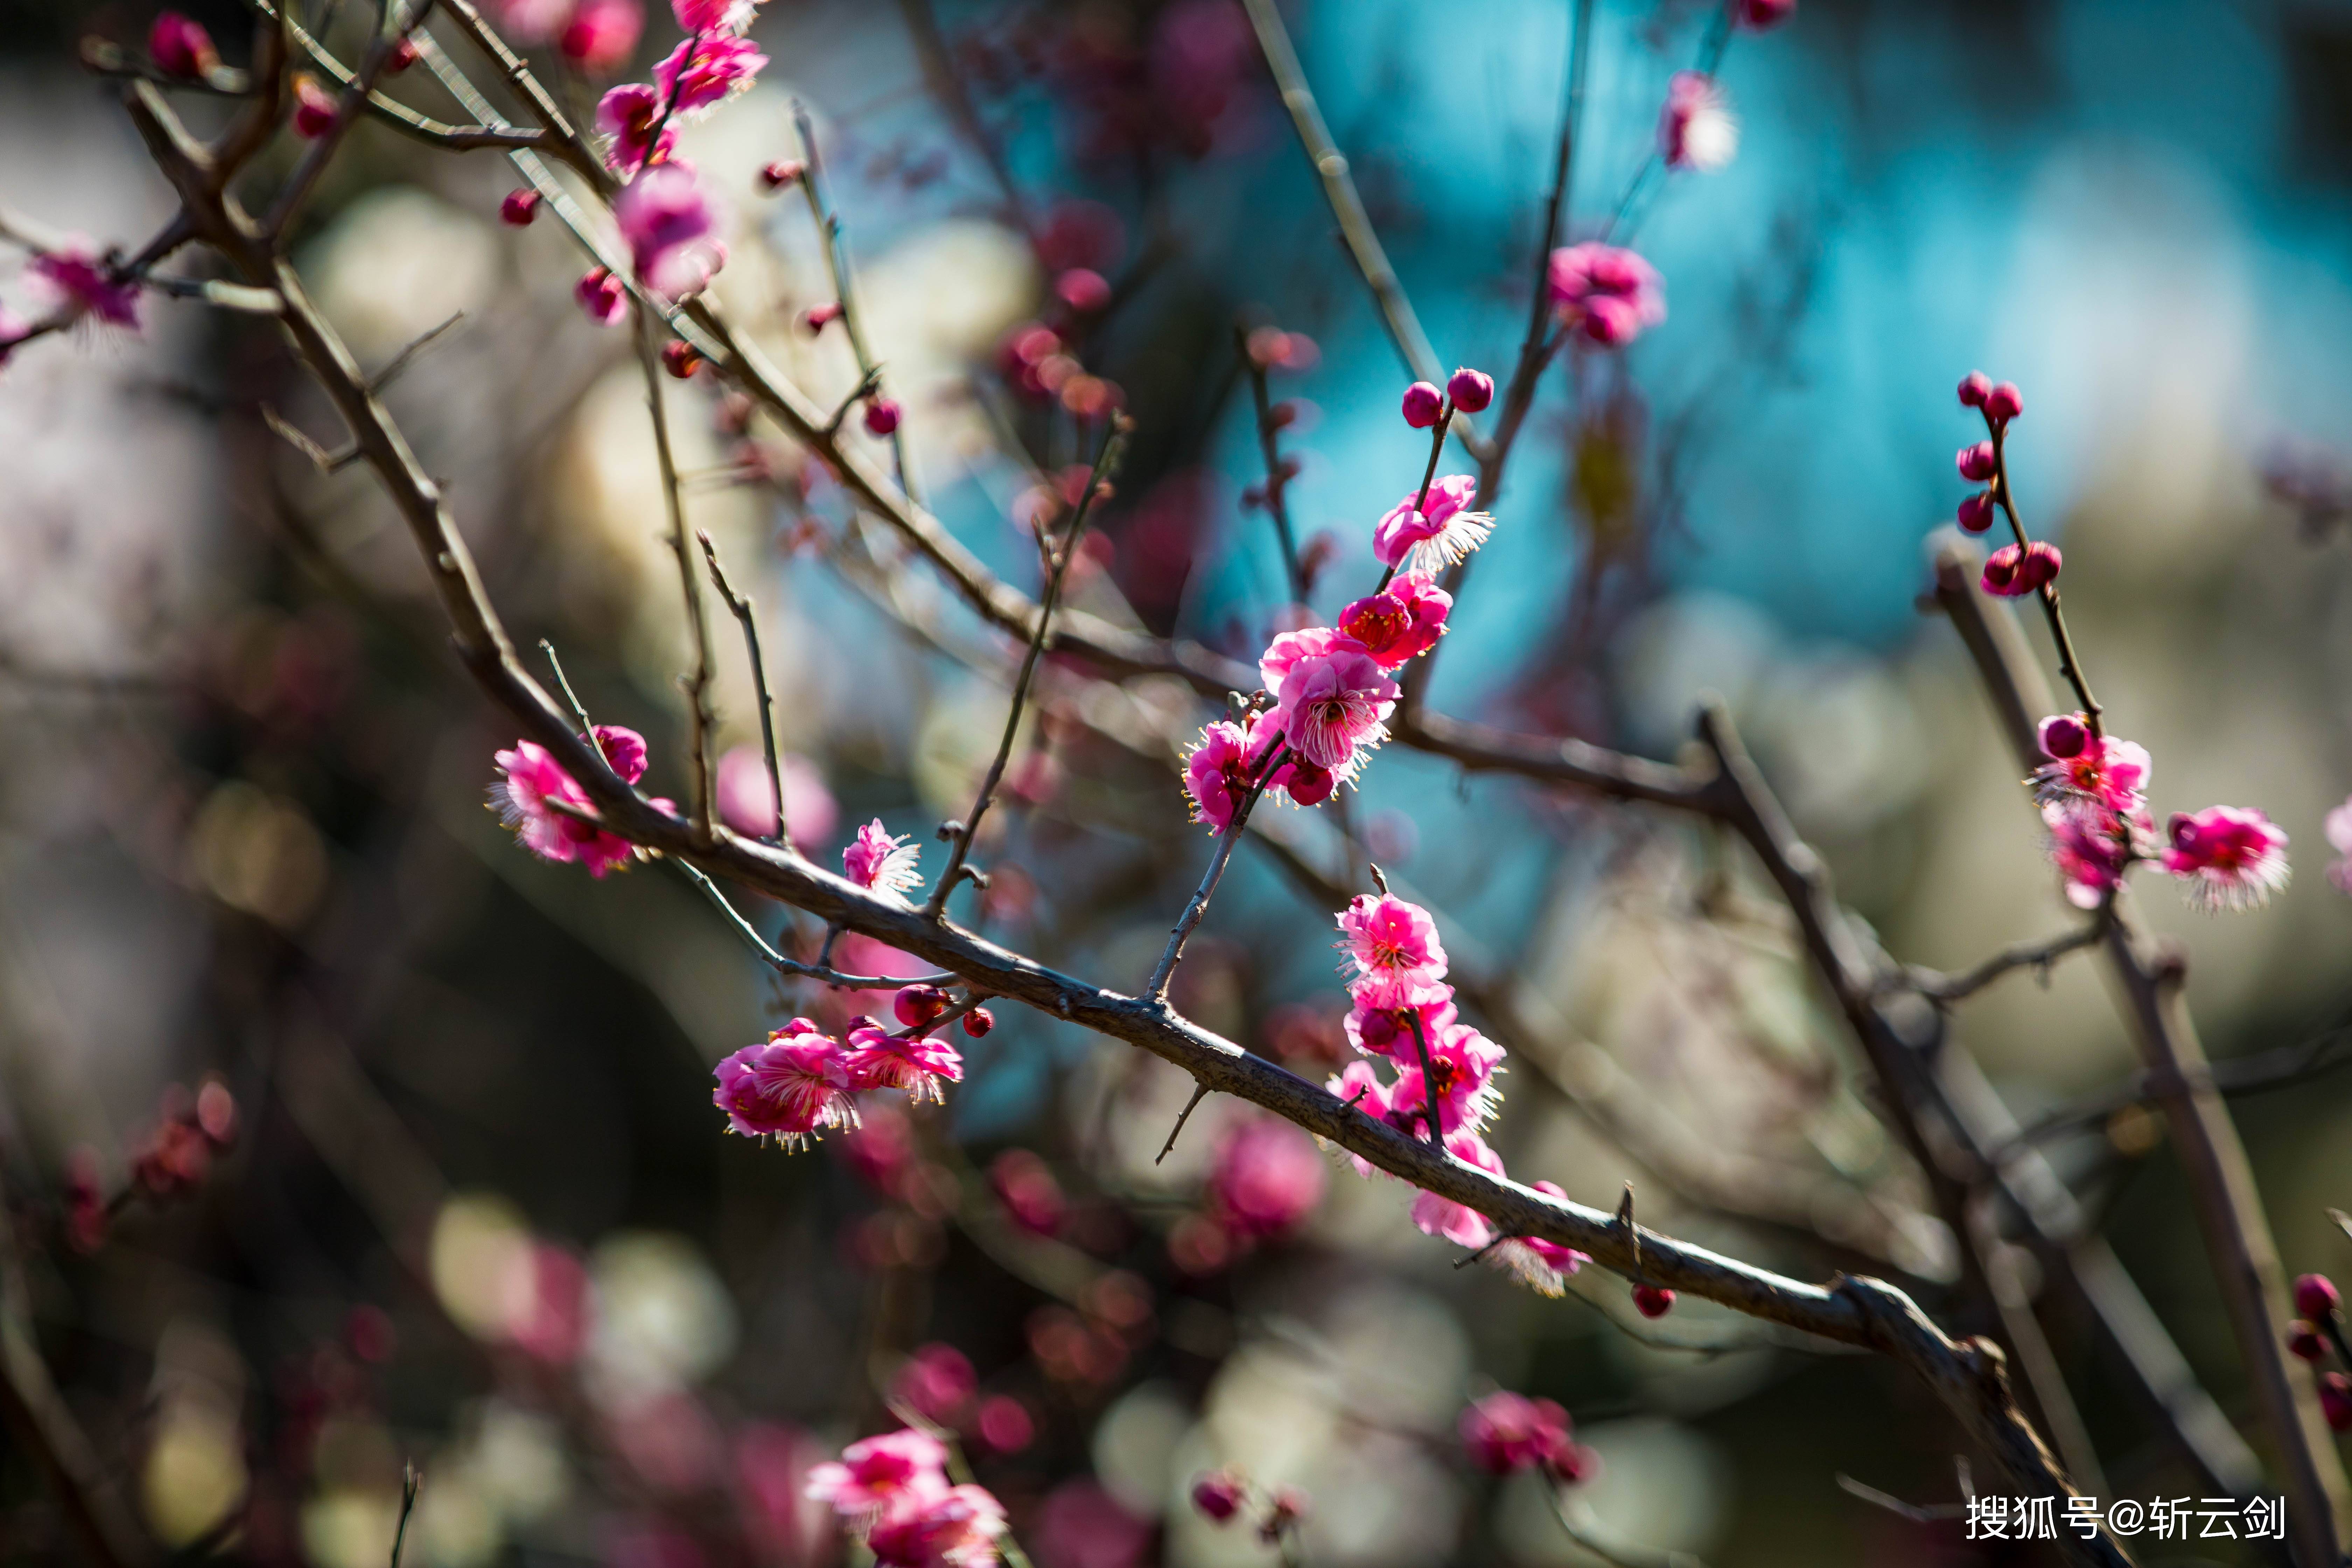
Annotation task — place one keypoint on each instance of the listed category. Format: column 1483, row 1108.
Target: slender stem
column 1277, row 506
column 410, row 1480
column 356, row 93
column 835, row 240
column 1429, row 1109
column 1947, row 988
column 1428, row 477
column 698, row 685
column 821, row 970
column 1156, row 990
column 2069, row 665
column 741, row 608
column 1106, row 461
column 563, row 684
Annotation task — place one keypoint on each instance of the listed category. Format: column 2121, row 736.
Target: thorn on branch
column 1200, row 1093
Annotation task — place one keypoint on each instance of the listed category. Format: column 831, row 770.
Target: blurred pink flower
column 1080, row 1525
column 714, row 16
column 180, row 46
column 550, row 1319
column 2232, row 857
column 790, row 1087
column 1335, row 705
column 2011, row 571
column 773, row 1466
column 671, row 228
column 2093, row 847
column 627, row 115
column 920, row 1063
column 2338, row 828
column 747, row 796
column 937, row 1382
column 706, row 70
column 79, row 285
column 1436, row 536
column 1696, row 129
column 1024, row 1184
column 1756, row 15
column 1004, row 1423
column 669, row 1440
column 879, row 1475
column 1403, row 620
column 882, row 1148
column 533, row 21
column 604, row 297
column 1392, row 940
column 955, row 1529
column 1442, row 1216
column 603, row 34
column 1268, row 1176
column 1506, row 1433
column 880, row 863
column 1609, row 294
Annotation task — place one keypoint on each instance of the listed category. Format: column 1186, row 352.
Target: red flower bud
column 519, row 207
column 180, row 46
column 2305, row 1343
column 881, row 417
column 1422, row 404
column 1471, row 390
column 679, row 358
column 1976, row 463
column 1973, row 388
column 2004, row 403
column 1218, row 1495
column 1976, row 513
column 2316, row 1297
column 2335, row 1401
column 977, row 1022
column 917, row 1005
column 1652, row 1300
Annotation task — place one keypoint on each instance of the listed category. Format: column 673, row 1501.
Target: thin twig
column 2070, row 664
column 1200, row 1093
column 410, row 1479
column 1278, row 477
column 698, row 685
column 2038, row 955
column 819, row 971
column 1058, row 558
column 1932, row 1513
column 740, row 606
column 563, row 683
column 1156, row 991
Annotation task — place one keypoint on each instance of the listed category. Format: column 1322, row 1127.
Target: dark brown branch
column 698, row 624
column 1278, row 477
column 741, row 607
column 1197, row 908
column 2036, row 955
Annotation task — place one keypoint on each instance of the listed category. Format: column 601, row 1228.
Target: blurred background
column 476, row 1211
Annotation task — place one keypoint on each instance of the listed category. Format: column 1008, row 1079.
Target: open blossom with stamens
column 1441, row 532
column 1334, row 704
column 881, row 864
column 790, row 1087
column 1696, row 129
column 878, row 1474
column 1443, row 1216
column 671, row 227
column 2090, row 767
column 2337, row 825
column 1359, row 1085
column 1392, row 940
column 1464, row 1063
column 2232, row 857
column 1226, row 763
column 920, row 1063
column 627, row 115
column 715, row 15
column 1381, row 1023
column 2093, row 846
column 1541, row 1266
column 79, row 285
column 530, row 778
column 707, row 70
column 954, row 1529
column 1611, row 295
column 1402, row 621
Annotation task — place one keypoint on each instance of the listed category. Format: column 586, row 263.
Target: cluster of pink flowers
column 892, row 1492
column 1608, row 293
column 797, row 1084
column 1507, row 1433
column 2094, row 795
column 1403, row 1012
column 532, row 786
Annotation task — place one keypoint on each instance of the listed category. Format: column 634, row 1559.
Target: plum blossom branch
column 356, row 92
column 696, row 684
column 1058, row 558
column 1156, row 988
column 740, row 606
column 2036, row 955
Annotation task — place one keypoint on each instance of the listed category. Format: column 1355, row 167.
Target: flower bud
column 602, row 295
column 2004, row 403
column 1288, row 1507
column 314, row 108
column 216, row 1112
column 1976, row 463
column 774, row 177
column 1218, row 1495
column 2040, row 567
column 1976, row 513
column 1652, row 1300
column 180, row 46
column 403, row 56
column 2305, row 1343
column 1422, row 404
column 917, row 1005
column 1471, row 390
column 1083, row 289
column 1309, row 785
column 881, row 417
column 1973, row 389
column 2063, row 736
column 679, row 357
column 519, row 207
column 816, row 317
column 977, row 1022
column 2316, row 1297
column 2335, row 1401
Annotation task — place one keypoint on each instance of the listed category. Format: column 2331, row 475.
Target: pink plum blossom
column 1422, row 405
column 2232, row 857
column 530, row 778
column 2338, row 830
column 1540, row 1264
column 1697, row 128
column 1462, row 1226
column 1381, row 1023
column 1441, row 532
column 1470, row 390
column 1611, row 295
column 1268, row 1176
column 707, row 70
column 1506, row 1433
column 937, row 1382
column 880, row 863
column 627, row 115
column 79, row 285
column 180, row 46
column 601, row 35
column 920, row 1063
column 604, row 297
column 1334, row 704
column 955, row 1529
column 747, row 795
column 879, row 1475
column 1463, row 1063
column 1388, row 939
column 1226, row 762
column 2084, row 766
column 671, row 227
column 1402, row 621
column 715, row 15
column 789, row 1088
column 533, row 21
column 2093, row 847
column 1358, row 1085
